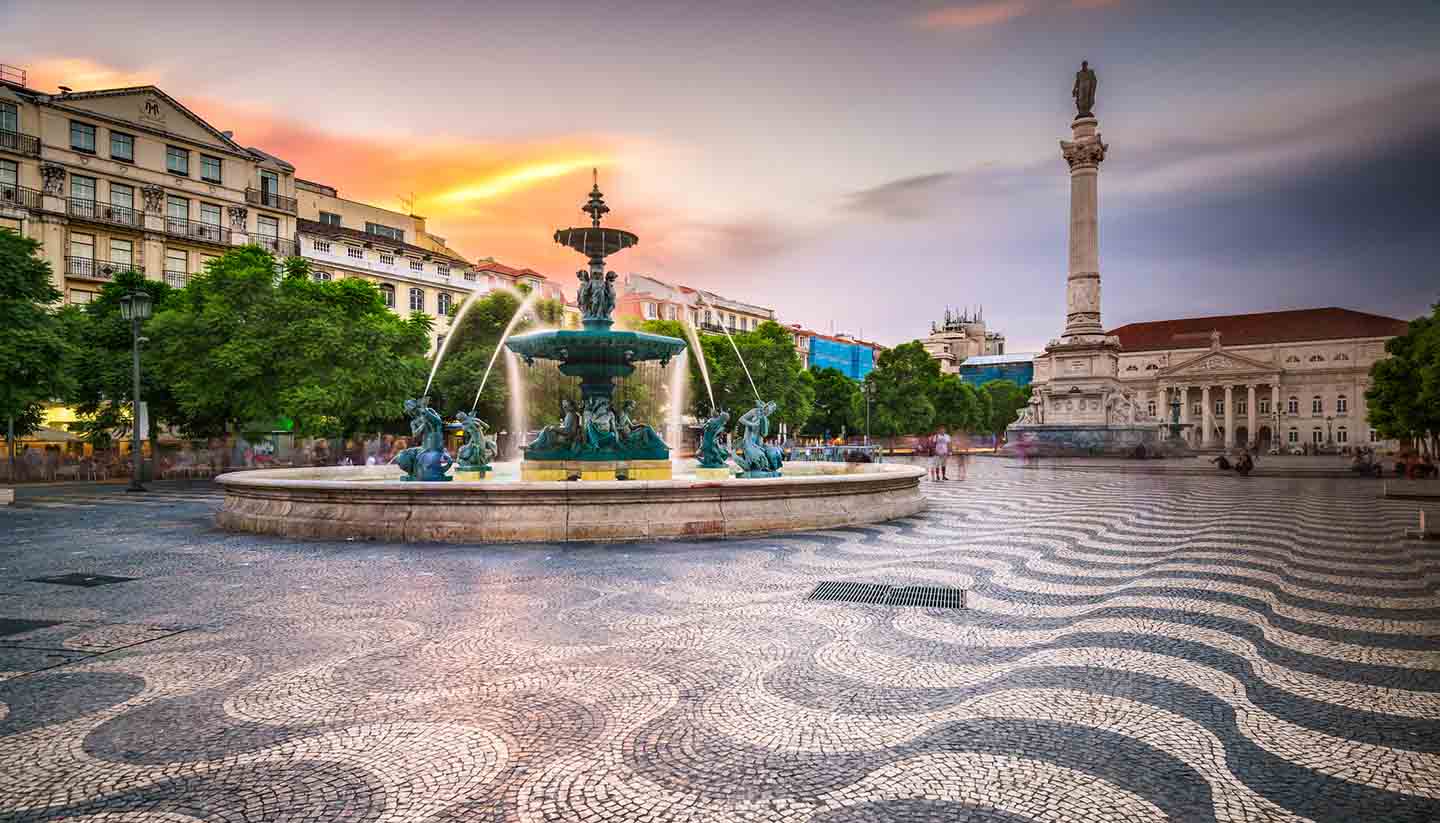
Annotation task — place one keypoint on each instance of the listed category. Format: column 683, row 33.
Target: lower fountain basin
column 368, row 503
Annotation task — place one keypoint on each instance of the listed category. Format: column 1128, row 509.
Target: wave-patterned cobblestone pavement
column 1135, row 648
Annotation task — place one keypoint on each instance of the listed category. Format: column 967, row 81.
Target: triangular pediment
column 1218, row 361
column 151, row 108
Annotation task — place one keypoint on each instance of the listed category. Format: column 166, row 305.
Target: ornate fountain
column 597, row 440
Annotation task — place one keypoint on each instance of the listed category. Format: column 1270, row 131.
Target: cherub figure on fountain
column 427, row 462
column 754, row 457
column 712, row 454
column 479, row 449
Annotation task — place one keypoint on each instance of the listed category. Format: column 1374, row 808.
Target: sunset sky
column 860, row 164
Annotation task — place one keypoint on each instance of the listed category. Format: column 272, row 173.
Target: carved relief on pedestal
column 154, row 198
column 238, row 216
column 1084, row 153
column 1083, row 295
column 54, row 179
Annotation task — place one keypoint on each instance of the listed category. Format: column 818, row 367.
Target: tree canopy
column 35, row 355
column 1006, row 399
column 903, row 387
column 1404, row 394
column 769, row 353
column 837, row 400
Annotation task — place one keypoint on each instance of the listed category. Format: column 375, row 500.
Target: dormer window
column 1152, row 367
column 1316, row 358
column 1342, row 356
column 1292, row 359
column 1132, row 368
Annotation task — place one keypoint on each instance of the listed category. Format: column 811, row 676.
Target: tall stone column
column 1229, row 415
column 1184, row 392
column 1082, row 288
column 1207, row 418
column 1251, row 434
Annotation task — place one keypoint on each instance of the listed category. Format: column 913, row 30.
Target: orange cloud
column 973, row 16
column 83, row 74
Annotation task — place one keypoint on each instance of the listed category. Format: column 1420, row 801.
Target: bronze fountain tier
column 598, row 440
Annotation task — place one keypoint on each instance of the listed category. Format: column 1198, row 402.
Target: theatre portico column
column 1250, row 432
column 1207, row 418
column 1183, row 392
column 1229, row 415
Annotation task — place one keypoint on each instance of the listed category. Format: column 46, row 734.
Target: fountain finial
column 596, row 205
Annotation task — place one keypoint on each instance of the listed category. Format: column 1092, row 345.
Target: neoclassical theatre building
column 1245, row 379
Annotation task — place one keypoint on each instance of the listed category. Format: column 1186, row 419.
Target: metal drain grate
column 78, row 579
column 849, row 592
column 881, row 594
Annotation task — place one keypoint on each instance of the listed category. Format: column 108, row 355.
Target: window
column 1219, row 408
column 176, row 262
column 210, row 213
column 443, row 302
column 122, row 254
column 649, row 310
column 1342, row 404
column 1292, row 359
column 671, row 312
column 82, row 246
column 1317, row 405
column 322, row 276
column 177, row 208
column 1316, row 358
column 82, row 188
column 1373, row 438
column 122, row 196
column 267, row 226
column 1242, row 406
column 177, row 161
column 1292, row 406
column 1132, row 367
column 470, row 275
column 387, row 291
column 358, row 254
column 1148, row 366
column 78, row 296
column 1195, row 408
column 320, row 245
column 9, row 117
column 385, row 231
column 1149, row 407
column 1293, row 436
column 387, row 259
column 1317, row 436
column 1341, row 436
column 416, row 265
column 122, row 147
column 417, row 300
column 9, row 173
column 210, row 168
column 1342, row 356
column 329, row 219
column 82, row 137
column 1264, row 406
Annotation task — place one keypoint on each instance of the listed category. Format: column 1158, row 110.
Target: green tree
column 769, row 354
column 35, row 355
column 957, row 405
column 103, row 378
column 1404, row 395
column 836, row 400
column 1006, row 399
column 902, row 391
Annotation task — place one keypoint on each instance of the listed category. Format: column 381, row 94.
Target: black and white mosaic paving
column 1133, row 648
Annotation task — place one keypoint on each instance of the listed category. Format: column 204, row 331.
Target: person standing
column 942, row 455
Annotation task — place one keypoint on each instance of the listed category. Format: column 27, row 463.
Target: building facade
column 961, row 335
column 980, row 369
column 646, row 298
column 1296, row 377
column 128, row 178
column 851, row 356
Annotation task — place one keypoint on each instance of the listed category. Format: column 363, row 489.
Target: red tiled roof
column 508, row 271
column 1251, row 329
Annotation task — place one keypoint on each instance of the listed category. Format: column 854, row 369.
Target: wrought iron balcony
column 101, row 212
column 91, row 269
column 19, row 197
column 14, row 141
column 278, row 246
column 201, row 232
column 176, row 279
column 270, row 200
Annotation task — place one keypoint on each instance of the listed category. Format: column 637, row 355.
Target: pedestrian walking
column 941, row 442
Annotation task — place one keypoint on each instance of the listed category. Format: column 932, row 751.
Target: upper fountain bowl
column 595, row 346
column 595, row 241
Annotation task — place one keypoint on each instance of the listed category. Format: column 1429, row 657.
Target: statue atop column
column 1084, row 90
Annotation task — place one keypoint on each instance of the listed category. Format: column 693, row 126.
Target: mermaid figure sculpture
column 638, row 437
column 479, row 448
column 428, row 461
column 712, row 454
column 754, row 457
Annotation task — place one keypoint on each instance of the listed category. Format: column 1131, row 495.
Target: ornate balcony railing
column 278, row 246
column 201, row 232
column 19, row 143
column 176, row 279
column 19, row 197
column 270, row 200
column 92, row 269
column 101, row 212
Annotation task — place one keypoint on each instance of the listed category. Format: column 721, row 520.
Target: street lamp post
column 135, row 307
column 867, row 412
